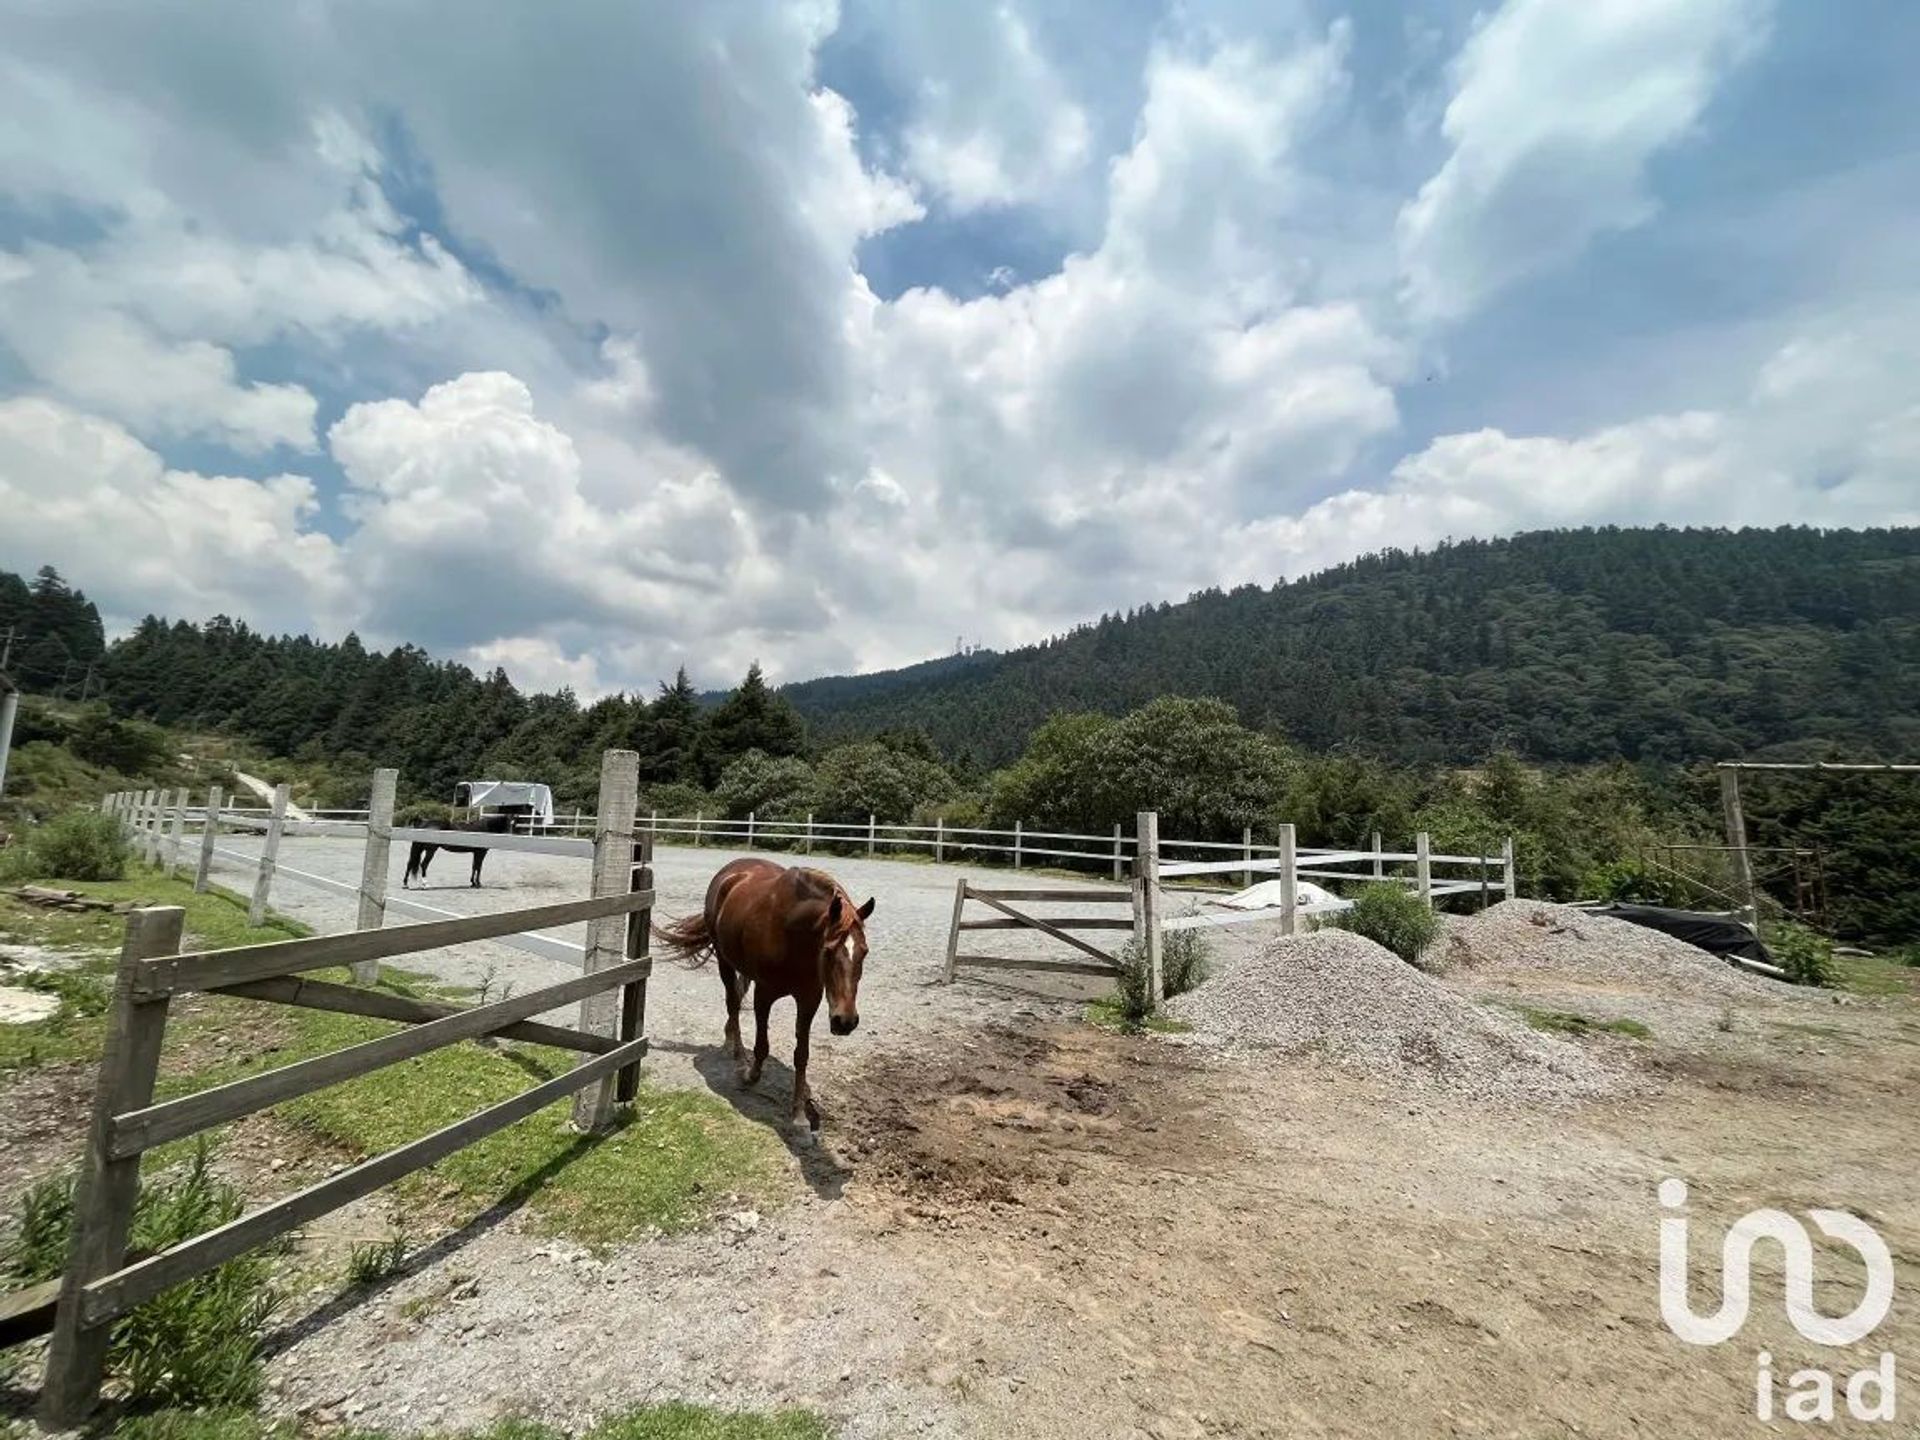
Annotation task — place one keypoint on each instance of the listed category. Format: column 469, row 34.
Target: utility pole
column 9, row 703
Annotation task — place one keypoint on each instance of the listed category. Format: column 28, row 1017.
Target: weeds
column 196, row 1344
column 1806, row 955
column 1390, row 916
column 1565, row 1022
column 378, row 1260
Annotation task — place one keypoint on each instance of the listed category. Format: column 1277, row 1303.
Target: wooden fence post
column 1484, row 881
column 809, row 832
column 1506, row 864
column 699, row 817
column 176, row 831
column 1289, row 883
column 1116, row 850
column 1246, row 854
column 209, row 836
column 1379, row 865
column 939, row 839
column 374, row 864
column 1017, row 843
column 269, row 849
column 953, row 933
column 1146, row 899
column 750, row 817
column 607, row 937
column 633, row 995
column 870, row 834
column 144, row 824
column 1423, row 867
column 104, row 1199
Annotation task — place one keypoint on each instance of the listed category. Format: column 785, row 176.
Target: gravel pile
column 1532, row 935
column 1341, row 995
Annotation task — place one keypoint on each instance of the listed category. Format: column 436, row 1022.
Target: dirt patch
column 1008, row 1117
column 42, row 1112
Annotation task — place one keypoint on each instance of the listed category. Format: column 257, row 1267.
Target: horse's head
column 842, row 958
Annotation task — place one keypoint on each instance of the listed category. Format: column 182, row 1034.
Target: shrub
column 1184, row 963
column 1184, row 957
column 196, row 1344
column 1393, row 917
column 1134, row 990
column 1806, row 955
column 80, row 845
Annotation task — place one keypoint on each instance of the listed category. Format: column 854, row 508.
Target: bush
column 1393, row 917
column 196, row 1344
column 130, row 746
column 1184, row 957
column 1185, row 960
column 1806, row 955
column 80, row 845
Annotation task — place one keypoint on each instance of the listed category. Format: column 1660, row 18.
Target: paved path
column 265, row 792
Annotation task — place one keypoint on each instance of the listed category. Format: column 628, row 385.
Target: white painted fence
column 158, row 824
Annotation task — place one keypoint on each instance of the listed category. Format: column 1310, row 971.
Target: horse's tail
column 687, row 940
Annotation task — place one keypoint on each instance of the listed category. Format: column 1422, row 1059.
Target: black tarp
column 1715, row 934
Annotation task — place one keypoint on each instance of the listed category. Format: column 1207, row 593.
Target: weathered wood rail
column 101, row 1283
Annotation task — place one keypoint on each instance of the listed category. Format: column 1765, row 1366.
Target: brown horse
column 785, row 932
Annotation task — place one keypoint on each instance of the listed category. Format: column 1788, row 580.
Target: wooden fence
column 1153, row 867
column 99, row 1284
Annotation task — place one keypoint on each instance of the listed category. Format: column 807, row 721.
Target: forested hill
column 1574, row 645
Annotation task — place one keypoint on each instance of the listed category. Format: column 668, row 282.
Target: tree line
column 1211, row 767
column 1659, row 646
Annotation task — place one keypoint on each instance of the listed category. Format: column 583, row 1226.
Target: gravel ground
column 1536, row 935
column 1342, row 995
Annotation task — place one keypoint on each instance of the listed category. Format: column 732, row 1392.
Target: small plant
column 1133, row 993
column 1806, row 955
column 79, row 845
column 196, row 1344
column 1185, row 961
column 1392, row 917
column 369, row 1264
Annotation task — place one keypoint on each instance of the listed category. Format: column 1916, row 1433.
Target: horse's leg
column 479, row 859
column 803, row 1106
column 730, row 982
column 762, row 1008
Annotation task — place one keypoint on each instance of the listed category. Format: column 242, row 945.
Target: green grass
column 664, row 1167
column 1565, row 1022
column 215, row 920
column 671, row 1421
column 1110, row 1013
column 1874, row 975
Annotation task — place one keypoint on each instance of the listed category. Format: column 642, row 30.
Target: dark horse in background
column 421, row 853
column 785, row 932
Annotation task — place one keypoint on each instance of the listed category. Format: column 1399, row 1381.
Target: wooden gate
column 1090, row 960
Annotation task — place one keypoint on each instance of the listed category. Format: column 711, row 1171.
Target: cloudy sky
column 597, row 338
